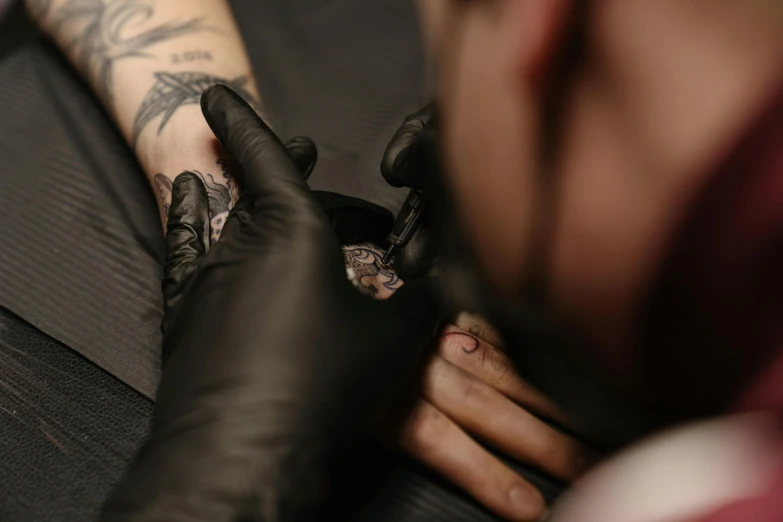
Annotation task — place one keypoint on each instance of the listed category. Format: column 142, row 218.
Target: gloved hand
column 274, row 360
column 411, row 160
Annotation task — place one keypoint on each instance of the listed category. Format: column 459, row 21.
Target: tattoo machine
column 407, row 223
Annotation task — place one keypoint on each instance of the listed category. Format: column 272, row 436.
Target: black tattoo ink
column 220, row 203
column 191, row 56
column 107, row 31
column 367, row 271
column 173, row 90
column 163, row 192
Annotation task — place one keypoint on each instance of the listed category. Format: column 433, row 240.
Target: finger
column 492, row 366
column 432, row 438
column 267, row 171
column 402, row 163
column 304, row 153
column 483, row 411
column 187, row 238
column 478, row 327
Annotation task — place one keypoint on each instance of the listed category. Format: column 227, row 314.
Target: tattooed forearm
column 173, row 90
column 222, row 198
column 367, row 271
column 98, row 33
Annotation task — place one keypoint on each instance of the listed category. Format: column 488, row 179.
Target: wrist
column 186, row 143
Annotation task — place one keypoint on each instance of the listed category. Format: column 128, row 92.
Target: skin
column 470, row 392
column 131, row 50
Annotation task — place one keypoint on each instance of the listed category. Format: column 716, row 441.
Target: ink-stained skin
column 173, row 90
column 367, row 271
column 106, row 31
column 469, row 343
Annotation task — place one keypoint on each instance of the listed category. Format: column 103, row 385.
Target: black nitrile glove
column 411, row 160
column 275, row 362
column 353, row 220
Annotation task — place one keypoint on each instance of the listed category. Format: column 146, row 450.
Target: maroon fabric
column 767, row 507
column 713, row 328
column 714, row 322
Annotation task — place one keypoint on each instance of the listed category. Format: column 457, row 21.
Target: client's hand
column 470, row 390
column 274, row 360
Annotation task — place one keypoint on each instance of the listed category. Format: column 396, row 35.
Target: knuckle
column 549, row 446
column 564, row 459
column 556, row 452
column 475, row 391
column 494, row 363
column 425, row 430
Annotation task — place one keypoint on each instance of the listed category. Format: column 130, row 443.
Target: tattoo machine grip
column 407, row 223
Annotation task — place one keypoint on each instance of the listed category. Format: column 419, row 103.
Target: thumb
column 304, row 153
column 267, row 171
column 187, row 239
column 405, row 159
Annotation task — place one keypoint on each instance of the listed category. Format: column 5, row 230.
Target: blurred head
column 575, row 133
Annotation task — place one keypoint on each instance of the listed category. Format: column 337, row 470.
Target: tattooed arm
column 366, row 270
column 148, row 61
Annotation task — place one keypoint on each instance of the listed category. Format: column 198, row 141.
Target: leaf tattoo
column 221, row 201
column 101, row 28
column 173, row 90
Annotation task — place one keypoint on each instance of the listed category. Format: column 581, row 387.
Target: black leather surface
column 67, row 428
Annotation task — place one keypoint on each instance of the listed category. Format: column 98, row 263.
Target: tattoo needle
column 406, row 224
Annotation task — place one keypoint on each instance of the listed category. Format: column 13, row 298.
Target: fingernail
column 527, row 504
